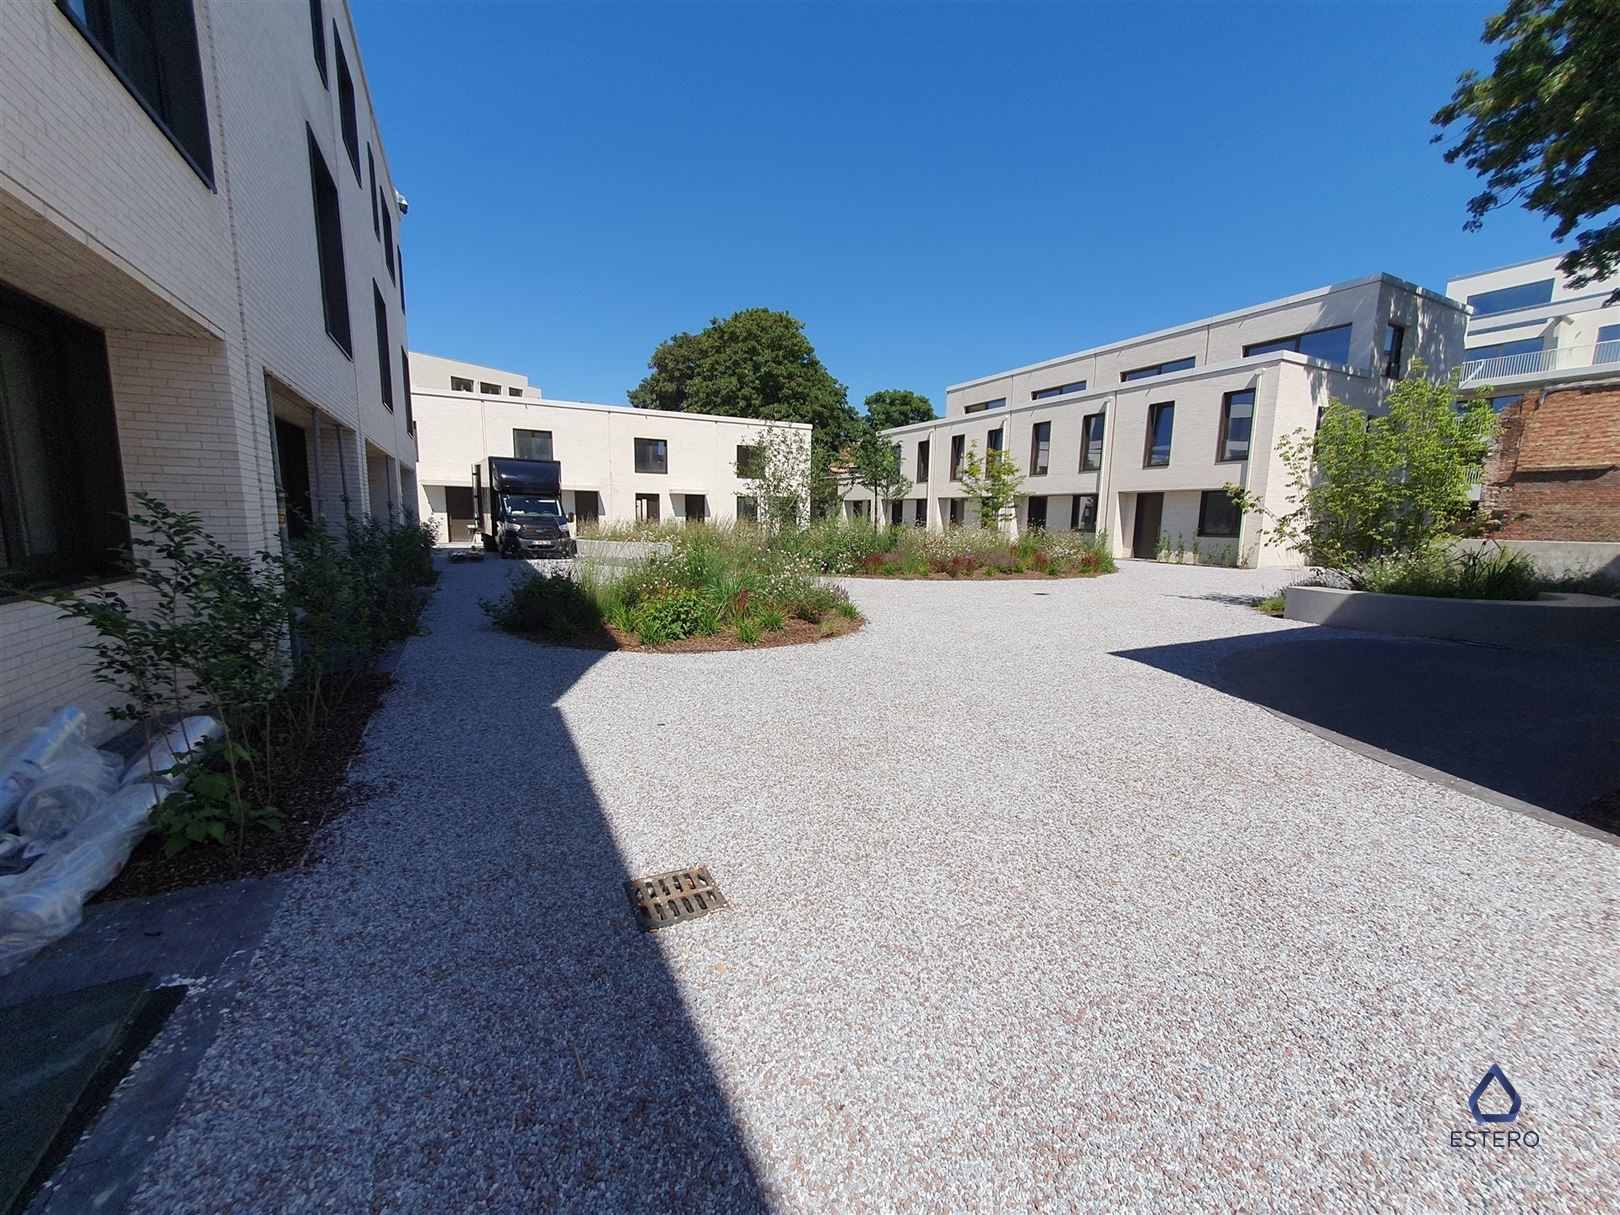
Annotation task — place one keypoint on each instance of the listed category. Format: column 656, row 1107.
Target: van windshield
column 534, row 508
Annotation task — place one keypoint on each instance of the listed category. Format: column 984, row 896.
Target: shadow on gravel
column 456, row 1011
column 1542, row 726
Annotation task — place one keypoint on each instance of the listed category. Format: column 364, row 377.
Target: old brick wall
column 1555, row 471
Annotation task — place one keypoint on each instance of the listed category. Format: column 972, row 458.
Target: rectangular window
column 1161, row 422
column 747, row 508
column 922, row 461
column 958, row 511
column 652, row 455
column 329, row 248
column 1083, row 513
column 385, row 368
column 1041, row 394
column 1329, row 345
column 399, row 256
column 1091, row 441
column 750, row 461
column 1040, row 448
column 62, row 508
column 697, row 508
column 1506, row 299
column 514, row 392
column 405, row 387
column 152, row 49
column 346, row 111
column 460, row 384
column 587, row 506
column 920, row 519
column 998, row 403
column 958, row 455
column 1218, row 515
column 388, row 241
column 1147, row 373
column 1502, row 350
column 1608, row 345
column 1035, row 511
column 1498, row 404
column 1237, row 421
column 1394, row 348
column 371, row 176
column 646, row 508
column 488, row 389
column 317, row 36
column 897, row 512
column 531, row 444
column 992, row 442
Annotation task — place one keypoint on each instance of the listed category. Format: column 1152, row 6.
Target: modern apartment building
column 1138, row 438
column 618, row 464
column 1549, row 354
column 201, row 293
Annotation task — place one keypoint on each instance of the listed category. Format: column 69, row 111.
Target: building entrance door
column 459, row 513
column 1149, row 517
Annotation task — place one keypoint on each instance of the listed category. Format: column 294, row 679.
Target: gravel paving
column 1015, row 924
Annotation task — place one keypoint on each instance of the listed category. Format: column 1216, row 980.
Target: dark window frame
column 645, row 465
column 958, row 456
column 1029, row 510
column 1293, row 342
column 550, row 444
column 1155, row 412
column 1394, row 350
column 96, row 29
column 348, row 106
column 329, row 249
column 1100, row 417
column 1481, row 309
column 1077, row 516
column 1223, row 437
column 486, row 389
column 371, row 176
column 1168, row 367
column 1204, row 513
column 385, row 362
column 317, row 37
column 1042, row 394
column 923, row 452
column 985, row 406
column 405, row 382
column 457, row 382
column 388, row 244
column 1039, row 467
column 655, row 514
column 749, row 461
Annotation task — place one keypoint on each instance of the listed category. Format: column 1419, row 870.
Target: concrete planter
column 1552, row 619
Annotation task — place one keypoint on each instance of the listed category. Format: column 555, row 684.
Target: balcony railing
column 1540, row 362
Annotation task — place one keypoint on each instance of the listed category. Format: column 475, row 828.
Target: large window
column 920, row 518
column 460, row 384
column 958, row 512
column 1091, row 441
column 1041, row 394
column 371, row 176
column 1394, row 350
column 696, row 508
column 152, row 49
column 1083, row 513
column 1329, row 345
column 652, row 456
column 747, row 508
column 388, row 240
column 1218, row 515
column 346, row 105
column 488, row 389
column 1237, row 421
column 992, row 442
column 1147, row 373
column 958, row 455
column 1035, row 511
column 922, row 460
column 317, row 37
column 531, row 444
column 646, row 508
column 405, row 387
column 750, row 461
column 1040, row 448
column 1506, row 299
column 1161, row 422
column 1608, row 345
column 981, row 406
column 385, row 360
column 62, row 509
column 329, row 249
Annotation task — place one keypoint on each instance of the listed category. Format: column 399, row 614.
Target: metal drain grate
column 669, row 898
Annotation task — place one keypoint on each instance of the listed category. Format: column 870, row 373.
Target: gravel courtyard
column 1016, row 923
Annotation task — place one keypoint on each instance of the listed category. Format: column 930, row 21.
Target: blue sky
column 938, row 192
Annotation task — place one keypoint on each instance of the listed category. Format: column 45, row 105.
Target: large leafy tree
column 873, row 463
column 756, row 363
column 1544, row 127
column 891, row 407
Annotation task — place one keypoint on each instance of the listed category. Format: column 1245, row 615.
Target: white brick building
column 200, row 281
column 1137, row 438
column 618, row 464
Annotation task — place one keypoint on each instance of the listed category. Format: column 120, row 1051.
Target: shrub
column 1495, row 573
column 771, row 620
column 552, row 605
column 672, row 614
column 748, row 632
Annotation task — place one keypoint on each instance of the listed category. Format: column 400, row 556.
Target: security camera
column 404, row 205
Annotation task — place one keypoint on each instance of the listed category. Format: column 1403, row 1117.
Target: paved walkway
column 1018, row 923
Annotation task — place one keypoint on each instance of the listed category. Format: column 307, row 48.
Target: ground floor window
column 646, row 508
column 62, row 508
column 897, row 512
column 697, row 508
column 1083, row 513
column 857, row 510
column 958, row 511
column 1035, row 511
column 587, row 506
column 1217, row 514
column 922, row 512
column 747, row 508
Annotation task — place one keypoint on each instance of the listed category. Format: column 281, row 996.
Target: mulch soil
column 979, row 575
column 793, row 632
column 318, row 795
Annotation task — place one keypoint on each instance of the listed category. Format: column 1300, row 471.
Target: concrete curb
column 1551, row 619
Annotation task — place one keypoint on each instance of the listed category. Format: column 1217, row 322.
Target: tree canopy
column 891, row 407
column 1544, row 127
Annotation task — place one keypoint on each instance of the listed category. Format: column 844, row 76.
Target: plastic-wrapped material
column 68, row 791
column 171, row 747
column 46, row 902
column 24, row 755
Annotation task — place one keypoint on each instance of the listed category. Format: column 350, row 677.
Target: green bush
column 553, row 605
column 1494, row 573
column 673, row 614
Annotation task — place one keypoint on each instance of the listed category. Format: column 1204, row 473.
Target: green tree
column 891, row 407
column 874, row 465
column 778, row 476
column 1363, row 488
column 994, row 481
column 1543, row 127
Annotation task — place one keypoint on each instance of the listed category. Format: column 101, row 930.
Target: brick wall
column 1555, row 471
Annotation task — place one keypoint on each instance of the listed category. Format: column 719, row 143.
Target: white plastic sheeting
column 70, row 815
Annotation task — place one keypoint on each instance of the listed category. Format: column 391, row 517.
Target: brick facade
column 1555, row 471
